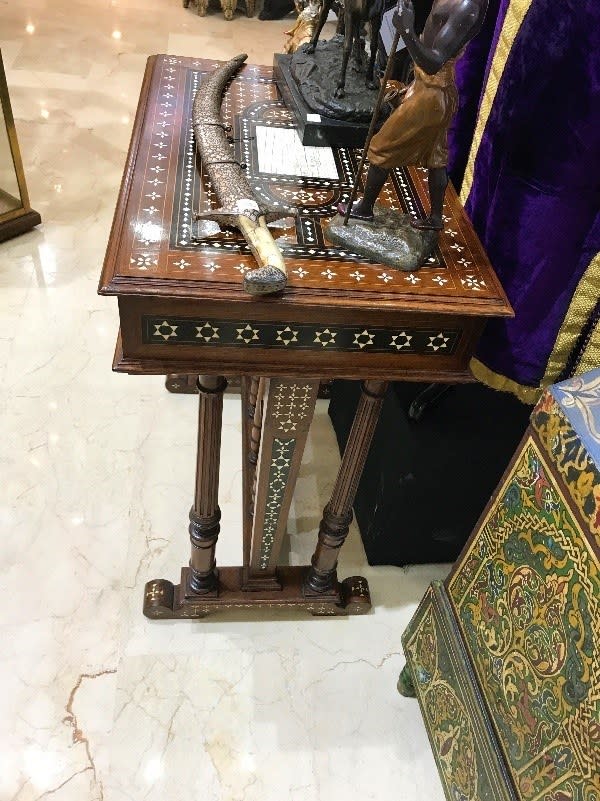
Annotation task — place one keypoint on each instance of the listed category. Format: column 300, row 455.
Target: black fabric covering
column 426, row 482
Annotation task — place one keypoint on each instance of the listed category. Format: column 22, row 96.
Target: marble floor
column 97, row 702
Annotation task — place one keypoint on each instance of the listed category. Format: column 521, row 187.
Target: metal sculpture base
column 315, row 129
column 165, row 600
column 388, row 239
column 317, row 75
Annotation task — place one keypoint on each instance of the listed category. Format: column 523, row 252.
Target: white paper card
column 388, row 32
column 313, row 118
column 280, row 152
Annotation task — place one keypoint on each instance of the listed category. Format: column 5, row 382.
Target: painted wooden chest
column 504, row 657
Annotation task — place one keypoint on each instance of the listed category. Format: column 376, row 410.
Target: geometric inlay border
column 200, row 331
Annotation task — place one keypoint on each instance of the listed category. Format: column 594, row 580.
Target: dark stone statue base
column 314, row 129
column 317, row 76
column 388, row 239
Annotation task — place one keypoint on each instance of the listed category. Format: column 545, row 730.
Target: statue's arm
column 460, row 27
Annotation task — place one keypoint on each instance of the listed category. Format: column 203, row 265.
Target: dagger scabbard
column 238, row 205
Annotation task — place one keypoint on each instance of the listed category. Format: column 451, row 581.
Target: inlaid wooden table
column 183, row 310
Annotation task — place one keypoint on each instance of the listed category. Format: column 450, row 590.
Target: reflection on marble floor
column 97, row 702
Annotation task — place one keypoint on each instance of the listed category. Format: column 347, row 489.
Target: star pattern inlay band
column 304, row 336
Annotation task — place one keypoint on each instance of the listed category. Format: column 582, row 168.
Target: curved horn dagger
column 238, row 204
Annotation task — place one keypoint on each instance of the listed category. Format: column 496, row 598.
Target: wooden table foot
column 165, row 600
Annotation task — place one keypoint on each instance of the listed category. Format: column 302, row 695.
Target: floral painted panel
column 579, row 399
column 567, row 421
column 461, row 739
column 527, row 598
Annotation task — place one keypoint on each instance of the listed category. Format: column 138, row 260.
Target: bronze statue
column 416, row 133
column 355, row 14
column 304, row 27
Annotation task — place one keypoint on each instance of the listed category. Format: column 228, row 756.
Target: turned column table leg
column 205, row 513
column 337, row 515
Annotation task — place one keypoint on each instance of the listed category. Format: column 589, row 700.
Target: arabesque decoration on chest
column 527, row 596
column 451, row 732
column 571, row 459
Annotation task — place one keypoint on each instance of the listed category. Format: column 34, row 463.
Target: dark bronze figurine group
column 416, row 133
column 355, row 14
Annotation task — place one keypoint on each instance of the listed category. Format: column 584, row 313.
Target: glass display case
column 16, row 215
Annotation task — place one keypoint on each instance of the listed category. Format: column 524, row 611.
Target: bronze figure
column 355, row 14
column 416, row 132
column 303, row 29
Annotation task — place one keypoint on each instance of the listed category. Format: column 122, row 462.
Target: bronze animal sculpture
column 416, row 133
column 303, row 29
column 355, row 14
column 239, row 206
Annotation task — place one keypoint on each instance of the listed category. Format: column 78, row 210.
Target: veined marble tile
column 267, row 715
column 99, row 703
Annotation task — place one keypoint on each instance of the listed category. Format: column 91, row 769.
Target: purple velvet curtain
column 535, row 195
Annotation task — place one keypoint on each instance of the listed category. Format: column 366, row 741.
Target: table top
column 153, row 252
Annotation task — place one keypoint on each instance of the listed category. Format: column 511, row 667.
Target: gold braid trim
column 590, row 357
column 515, row 14
column 582, row 305
column 528, row 395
